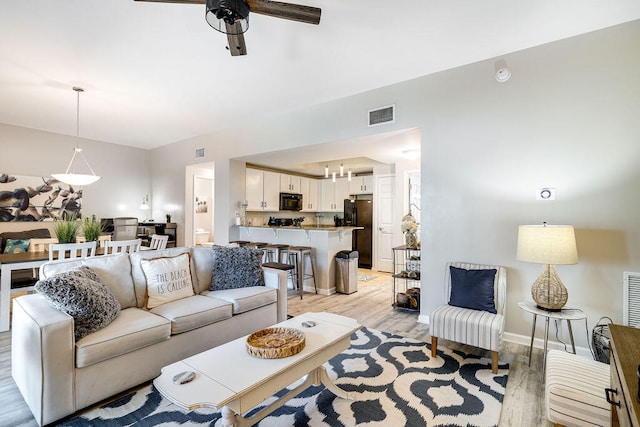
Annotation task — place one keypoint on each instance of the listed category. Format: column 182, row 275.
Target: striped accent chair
column 574, row 390
column 468, row 326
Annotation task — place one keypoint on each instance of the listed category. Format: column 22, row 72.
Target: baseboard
column 526, row 341
column 423, row 318
column 539, row 343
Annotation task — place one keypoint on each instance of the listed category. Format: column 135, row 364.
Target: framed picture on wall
column 201, row 205
column 37, row 198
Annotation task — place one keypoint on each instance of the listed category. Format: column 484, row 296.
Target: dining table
column 9, row 263
column 12, row 262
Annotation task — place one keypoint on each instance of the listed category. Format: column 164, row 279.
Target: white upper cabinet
column 333, row 194
column 262, row 190
column 309, row 190
column 290, row 184
column 361, row 185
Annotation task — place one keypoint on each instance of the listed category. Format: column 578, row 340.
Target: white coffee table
column 229, row 379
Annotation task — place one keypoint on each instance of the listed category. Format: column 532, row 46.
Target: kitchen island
column 326, row 242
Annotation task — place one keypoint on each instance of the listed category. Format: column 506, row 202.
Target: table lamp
column 548, row 245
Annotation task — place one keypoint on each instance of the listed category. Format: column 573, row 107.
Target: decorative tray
column 275, row 343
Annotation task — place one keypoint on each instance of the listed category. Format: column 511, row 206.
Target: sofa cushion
column 114, row 272
column 80, row 294
column 236, row 267
column 168, row 279
column 193, row 312
column 139, row 279
column 473, row 289
column 16, row 246
column 246, row 299
column 203, row 262
column 134, row 328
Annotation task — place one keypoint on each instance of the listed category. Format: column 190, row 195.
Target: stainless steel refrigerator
column 359, row 212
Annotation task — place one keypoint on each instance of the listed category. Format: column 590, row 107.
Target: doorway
column 199, row 204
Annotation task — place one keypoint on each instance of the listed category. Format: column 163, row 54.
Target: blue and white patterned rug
column 395, row 381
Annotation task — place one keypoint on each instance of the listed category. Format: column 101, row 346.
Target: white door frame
column 377, row 263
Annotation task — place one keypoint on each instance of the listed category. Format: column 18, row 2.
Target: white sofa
column 58, row 376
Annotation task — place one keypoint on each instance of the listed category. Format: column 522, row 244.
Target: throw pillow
column 16, row 246
column 236, row 267
column 168, row 279
column 80, row 294
column 472, row 289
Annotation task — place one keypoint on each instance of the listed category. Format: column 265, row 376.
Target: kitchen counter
column 307, row 227
column 326, row 241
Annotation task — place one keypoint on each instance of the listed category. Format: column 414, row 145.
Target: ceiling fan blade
column 237, row 46
column 292, row 12
column 176, row 1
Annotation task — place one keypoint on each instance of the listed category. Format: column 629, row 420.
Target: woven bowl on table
column 275, row 343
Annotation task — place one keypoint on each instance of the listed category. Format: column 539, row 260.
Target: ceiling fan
column 232, row 16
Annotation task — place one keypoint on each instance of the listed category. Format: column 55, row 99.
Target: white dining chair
column 40, row 245
column 119, row 246
column 101, row 239
column 75, row 250
column 158, row 241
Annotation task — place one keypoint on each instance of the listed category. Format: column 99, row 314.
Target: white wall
column 124, row 170
column 568, row 118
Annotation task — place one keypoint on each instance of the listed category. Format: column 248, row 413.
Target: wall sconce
column 145, row 203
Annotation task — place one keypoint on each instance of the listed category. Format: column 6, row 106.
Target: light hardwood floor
column 371, row 306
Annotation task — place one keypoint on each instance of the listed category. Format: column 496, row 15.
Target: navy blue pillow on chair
column 472, row 289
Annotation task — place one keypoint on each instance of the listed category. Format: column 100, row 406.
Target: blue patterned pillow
column 16, row 246
column 236, row 267
column 80, row 294
column 473, row 289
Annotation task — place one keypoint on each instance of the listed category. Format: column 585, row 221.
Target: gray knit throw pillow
column 236, row 267
column 80, row 294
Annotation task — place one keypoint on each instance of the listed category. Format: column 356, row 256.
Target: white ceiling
column 156, row 73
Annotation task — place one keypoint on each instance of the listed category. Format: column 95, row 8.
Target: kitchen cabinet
column 262, row 190
column 290, row 184
column 361, row 185
column 333, row 194
column 309, row 190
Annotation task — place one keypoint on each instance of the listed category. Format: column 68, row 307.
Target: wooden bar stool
column 302, row 254
column 240, row 242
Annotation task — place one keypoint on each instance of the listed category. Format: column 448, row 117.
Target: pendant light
column 74, row 178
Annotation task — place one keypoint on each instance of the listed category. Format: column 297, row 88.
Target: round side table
column 567, row 314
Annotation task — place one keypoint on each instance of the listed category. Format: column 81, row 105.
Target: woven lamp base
column 548, row 291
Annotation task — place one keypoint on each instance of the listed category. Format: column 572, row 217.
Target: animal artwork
column 29, row 198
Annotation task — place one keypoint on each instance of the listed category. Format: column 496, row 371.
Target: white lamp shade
column 75, row 178
column 547, row 244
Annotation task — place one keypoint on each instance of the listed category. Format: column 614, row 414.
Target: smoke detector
column 503, row 74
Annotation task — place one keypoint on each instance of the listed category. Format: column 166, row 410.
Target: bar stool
column 240, row 242
column 275, row 252
column 302, row 253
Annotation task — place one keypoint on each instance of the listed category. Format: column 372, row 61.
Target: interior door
column 384, row 202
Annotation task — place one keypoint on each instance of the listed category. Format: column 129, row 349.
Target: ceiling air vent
column 382, row 115
column 199, row 153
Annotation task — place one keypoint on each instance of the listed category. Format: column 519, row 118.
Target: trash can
column 347, row 272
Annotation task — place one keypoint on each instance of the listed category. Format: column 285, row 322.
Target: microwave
column 290, row 202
